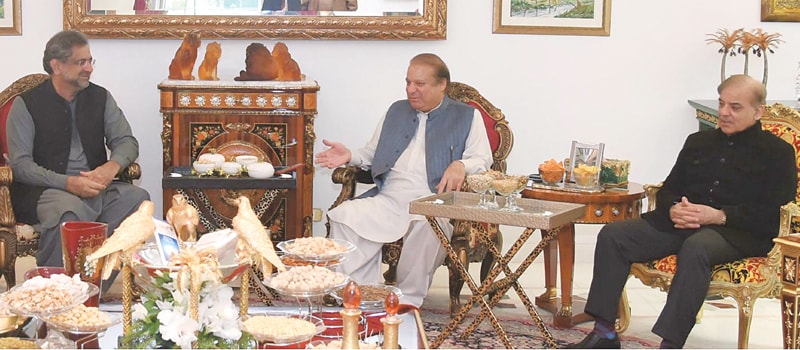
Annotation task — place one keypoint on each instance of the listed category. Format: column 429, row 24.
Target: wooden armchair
column 746, row 279
column 18, row 239
column 465, row 239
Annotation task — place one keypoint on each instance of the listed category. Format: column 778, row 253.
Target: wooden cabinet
column 269, row 119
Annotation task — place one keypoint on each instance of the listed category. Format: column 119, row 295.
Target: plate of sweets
column 306, row 281
column 83, row 319
column 316, row 248
column 46, row 296
column 373, row 296
column 282, row 329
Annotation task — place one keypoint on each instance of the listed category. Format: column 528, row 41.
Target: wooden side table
column 601, row 208
column 790, row 248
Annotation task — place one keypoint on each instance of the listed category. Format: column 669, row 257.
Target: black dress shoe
column 595, row 341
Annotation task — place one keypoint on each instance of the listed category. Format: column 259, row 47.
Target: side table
column 536, row 214
column 601, row 208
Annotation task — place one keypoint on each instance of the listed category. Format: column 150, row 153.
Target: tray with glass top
column 461, row 206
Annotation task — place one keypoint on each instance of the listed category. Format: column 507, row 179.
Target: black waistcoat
column 53, row 131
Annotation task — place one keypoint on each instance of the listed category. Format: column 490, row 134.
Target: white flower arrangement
column 161, row 319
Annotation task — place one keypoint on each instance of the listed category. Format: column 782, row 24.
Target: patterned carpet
column 522, row 333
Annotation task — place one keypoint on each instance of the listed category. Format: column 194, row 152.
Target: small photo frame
column 167, row 240
column 585, row 153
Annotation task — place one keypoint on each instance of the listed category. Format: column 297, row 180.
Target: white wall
column 628, row 90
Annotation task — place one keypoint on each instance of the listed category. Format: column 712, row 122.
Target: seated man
column 721, row 202
column 57, row 136
column 423, row 145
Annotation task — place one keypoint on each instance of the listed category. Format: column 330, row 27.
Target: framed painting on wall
column 10, row 17
column 780, row 11
column 554, row 17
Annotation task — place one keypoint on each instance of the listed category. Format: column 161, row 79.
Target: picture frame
column 10, row 17
column 780, row 11
column 589, row 17
column 590, row 154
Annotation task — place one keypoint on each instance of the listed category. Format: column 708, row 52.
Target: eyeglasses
column 84, row 62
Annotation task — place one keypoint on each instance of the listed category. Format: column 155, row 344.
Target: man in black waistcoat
column 721, row 202
column 58, row 134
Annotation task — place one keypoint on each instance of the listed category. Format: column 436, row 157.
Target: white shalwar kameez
column 370, row 222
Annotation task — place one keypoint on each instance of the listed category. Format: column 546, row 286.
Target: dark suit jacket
column 749, row 175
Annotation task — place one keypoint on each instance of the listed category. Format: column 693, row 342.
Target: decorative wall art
column 554, row 17
column 756, row 42
column 10, row 17
column 780, row 11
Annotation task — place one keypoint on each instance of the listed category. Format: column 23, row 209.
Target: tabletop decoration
column 351, row 315
column 391, row 322
column 745, row 42
column 162, row 319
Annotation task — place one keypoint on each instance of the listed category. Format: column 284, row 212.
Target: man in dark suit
column 721, row 202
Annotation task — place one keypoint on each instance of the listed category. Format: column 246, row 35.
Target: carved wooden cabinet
column 269, row 119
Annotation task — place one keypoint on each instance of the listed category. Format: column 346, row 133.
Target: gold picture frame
column 780, row 11
column 11, row 17
column 560, row 17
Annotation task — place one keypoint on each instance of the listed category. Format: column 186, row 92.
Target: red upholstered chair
column 744, row 280
column 465, row 233
column 19, row 239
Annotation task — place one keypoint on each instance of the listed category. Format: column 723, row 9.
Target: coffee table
column 547, row 216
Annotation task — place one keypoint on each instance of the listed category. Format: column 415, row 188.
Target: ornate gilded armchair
column 19, row 239
column 465, row 233
column 744, row 280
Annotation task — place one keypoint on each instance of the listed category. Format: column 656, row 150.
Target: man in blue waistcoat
column 57, row 137
column 425, row 144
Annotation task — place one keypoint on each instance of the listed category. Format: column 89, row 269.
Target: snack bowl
column 282, row 329
column 551, row 176
column 316, row 248
column 585, row 180
column 231, row 168
column 246, row 159
column 373, row 296
column 202, row 168
column 260, row 170
column 62, row 322
column 295, row 281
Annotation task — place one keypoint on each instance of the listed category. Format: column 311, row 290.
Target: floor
column 717, row 329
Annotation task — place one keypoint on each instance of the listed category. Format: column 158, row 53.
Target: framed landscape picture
column 780, row 11
column 10, row 17
column 554, row 17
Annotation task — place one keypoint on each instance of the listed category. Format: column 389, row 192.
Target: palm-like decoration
column 728, row 41
column 746, row 42
column 765, row 42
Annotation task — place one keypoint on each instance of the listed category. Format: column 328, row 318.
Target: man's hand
column 333, row 157
column 83, row 186
column 453, row 178
column 103, row 174
column 688, row 215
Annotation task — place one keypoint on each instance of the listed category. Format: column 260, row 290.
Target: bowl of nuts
column 282, row 329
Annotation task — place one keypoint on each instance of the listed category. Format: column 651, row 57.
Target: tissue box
column 614, row 173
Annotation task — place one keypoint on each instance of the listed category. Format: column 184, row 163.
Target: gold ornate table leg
column 476, row 292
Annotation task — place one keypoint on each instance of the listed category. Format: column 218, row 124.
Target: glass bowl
column 12, row 299
column 59, row 325
column 585, row 180
column 275, row 337
column 373, row 296
column 305, row 273
column 324, row 249
column 551, row 177
column 145, row 271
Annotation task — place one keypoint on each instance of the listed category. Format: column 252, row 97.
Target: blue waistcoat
column 446, row 134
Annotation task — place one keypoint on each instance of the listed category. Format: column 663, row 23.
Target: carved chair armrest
column 651, row 192
column 132, row 172
column 7, row 218
column 349, row 177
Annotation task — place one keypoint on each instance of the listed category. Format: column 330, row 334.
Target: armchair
column 465, row 233
column 18, row 239
column 746, row 279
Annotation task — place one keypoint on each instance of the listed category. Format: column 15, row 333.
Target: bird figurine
column 254, row 241
column 184, row 218
column 130, row 234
